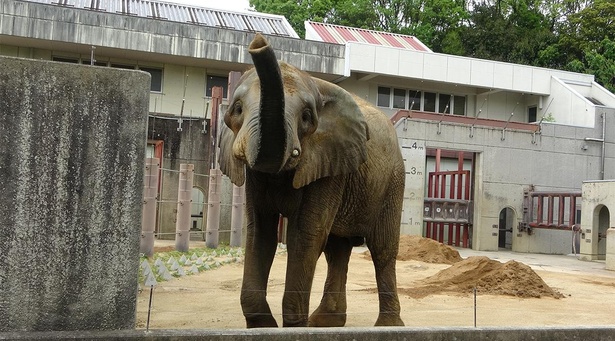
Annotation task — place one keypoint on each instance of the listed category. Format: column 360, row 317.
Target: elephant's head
column 282, row 119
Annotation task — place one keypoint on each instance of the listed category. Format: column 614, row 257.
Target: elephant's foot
column 300, row 322
column 261, row 321
column 323, row 318
column 389, row 319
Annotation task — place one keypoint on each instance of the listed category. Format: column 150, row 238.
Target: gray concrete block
column 606, row 333
column 71, row 178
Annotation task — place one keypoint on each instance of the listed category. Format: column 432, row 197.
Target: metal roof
column 243, row 21
column 342, row 34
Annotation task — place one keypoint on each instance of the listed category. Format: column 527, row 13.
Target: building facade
column 506, row 130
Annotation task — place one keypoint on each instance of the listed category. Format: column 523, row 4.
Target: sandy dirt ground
column 210, row 299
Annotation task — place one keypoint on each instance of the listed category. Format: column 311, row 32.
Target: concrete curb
column 596, row 333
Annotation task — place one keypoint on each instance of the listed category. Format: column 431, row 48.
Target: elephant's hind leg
column 332, row 309
column 384, row 246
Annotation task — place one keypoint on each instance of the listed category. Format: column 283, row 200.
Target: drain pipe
column 601, row 140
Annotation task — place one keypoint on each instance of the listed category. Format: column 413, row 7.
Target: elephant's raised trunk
column 271, row 144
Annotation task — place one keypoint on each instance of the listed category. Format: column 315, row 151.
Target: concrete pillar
column 184, row 206
column 213, row 209
column 72, row 150
column 610, row 248
column 150, row 194
column 237, row 215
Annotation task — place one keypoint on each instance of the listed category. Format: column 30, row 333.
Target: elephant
column 330, row 163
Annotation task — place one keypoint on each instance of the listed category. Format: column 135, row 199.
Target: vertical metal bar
column 149, row 307
column 184, row 206
column 467, row 195
column 550, row 210
column 451, row 227
column 442, row 195
column 539, row 208
column 436, row 226
column 429, row 225
column 459, row 193
column 561, row 206
column 150, row 192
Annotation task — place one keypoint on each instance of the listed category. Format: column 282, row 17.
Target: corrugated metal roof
column 341, row 34
column 242, row 21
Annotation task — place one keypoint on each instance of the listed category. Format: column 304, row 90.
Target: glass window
column 384, row 96
column 89, row 62
column 65, row 60
column 156, row 74
column 531, row 114
column 459, row 105
column 399, row 98
column 429, row 103
column 444, row 103
column 123, row 66
column 217, row 81
column 414, row 102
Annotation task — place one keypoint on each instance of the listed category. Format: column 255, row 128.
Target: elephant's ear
column 230, row 165
column 338, row 146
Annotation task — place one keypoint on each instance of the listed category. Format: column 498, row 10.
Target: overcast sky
column 235, row 5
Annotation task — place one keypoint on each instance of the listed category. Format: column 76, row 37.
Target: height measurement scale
column 413, row 152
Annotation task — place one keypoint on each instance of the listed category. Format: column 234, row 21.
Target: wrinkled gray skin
column 330, row 163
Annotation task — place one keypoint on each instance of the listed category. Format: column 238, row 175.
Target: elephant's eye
column 306, row 116
column 237, row 110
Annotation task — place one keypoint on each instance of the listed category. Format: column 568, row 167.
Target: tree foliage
column 575, row 35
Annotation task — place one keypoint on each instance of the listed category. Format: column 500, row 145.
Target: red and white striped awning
column 341, row 35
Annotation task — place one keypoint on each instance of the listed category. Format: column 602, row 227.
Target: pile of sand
column 488, row 277
column 426, row 250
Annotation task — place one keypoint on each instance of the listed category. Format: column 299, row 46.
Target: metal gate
column 447, row 209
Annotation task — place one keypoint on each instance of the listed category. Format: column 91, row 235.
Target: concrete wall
column 568, row 333
column 144, row 35
column 71, row 176
column 557, row 159
column 598, row 215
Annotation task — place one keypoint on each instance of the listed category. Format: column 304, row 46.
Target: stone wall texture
column 72, row 144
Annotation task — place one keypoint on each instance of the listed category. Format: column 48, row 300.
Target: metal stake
column 149, row 309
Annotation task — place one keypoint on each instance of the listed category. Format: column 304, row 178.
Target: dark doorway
column 505, row 226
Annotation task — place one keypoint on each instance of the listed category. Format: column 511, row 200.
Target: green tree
column 512, row 31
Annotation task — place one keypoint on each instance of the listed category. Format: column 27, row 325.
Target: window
column 459, row 105
column 217, row 81
column 399, row 98
column 65, row 60
column 97, row 63
column 156, row 74
column 429, row 102
column 384, row 96
column 531, row 114
column 414, row 101
column 395, row 98
column 123, row 66
column 444, row 103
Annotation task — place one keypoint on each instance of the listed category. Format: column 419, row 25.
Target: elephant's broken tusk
column 296, row 152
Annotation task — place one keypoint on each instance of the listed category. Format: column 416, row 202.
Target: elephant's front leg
column 332, row 309
column 261, row 243
column 306, row 238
